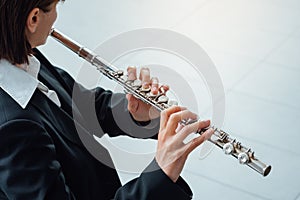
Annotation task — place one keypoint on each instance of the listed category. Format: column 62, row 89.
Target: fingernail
column 145, row 74
column 131, row 70
column 154, row 81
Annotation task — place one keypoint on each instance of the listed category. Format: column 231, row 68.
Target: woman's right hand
column 172, row 152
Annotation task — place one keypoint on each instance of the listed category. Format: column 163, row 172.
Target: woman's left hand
column 140, row 110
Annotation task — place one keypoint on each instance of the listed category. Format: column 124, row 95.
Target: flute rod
column 222, row 139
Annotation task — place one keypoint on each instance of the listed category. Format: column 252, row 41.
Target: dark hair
column 14, row 45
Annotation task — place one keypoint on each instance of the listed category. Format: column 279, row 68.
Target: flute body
column 161, row 102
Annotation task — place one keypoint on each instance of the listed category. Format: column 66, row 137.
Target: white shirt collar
column 21, row 82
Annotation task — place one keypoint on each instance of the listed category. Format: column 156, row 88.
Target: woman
column 41, row 154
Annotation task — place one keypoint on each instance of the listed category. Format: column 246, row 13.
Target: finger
column 179, row 127
column 128, row 96
column 133, row 103
column 163, row 89
column 164, row 115
column 131, row 72
column 145, row 77
column 205, row 124
column 175, row 118
column 192, row 128
column 199, row 140
column 153, row 112
column 154, row 85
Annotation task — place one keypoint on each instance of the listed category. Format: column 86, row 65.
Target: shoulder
column 11, row 110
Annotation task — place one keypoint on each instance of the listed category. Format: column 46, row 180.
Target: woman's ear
column 33, row 20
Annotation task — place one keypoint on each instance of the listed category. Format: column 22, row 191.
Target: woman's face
column 44, row 25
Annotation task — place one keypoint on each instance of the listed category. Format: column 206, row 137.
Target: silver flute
column 161, row 102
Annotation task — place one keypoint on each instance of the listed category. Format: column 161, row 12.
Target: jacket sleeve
column 28, row 165
column 154, row 184
column 110, row 110
column 115, row 118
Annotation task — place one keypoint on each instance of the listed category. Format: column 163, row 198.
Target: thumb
column 133, row 103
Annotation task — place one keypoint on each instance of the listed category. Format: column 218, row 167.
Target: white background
column 255, row 46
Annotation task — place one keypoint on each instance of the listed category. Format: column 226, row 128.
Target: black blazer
column 43, row 152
